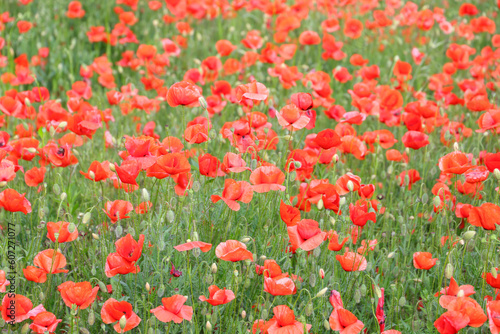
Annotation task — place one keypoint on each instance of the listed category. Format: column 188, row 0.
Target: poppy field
column 250, row 166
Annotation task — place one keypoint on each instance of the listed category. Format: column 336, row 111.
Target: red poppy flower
column 113, row 310
column 280, row 285
column 254, row 91
column 100, row 170
column 415, row 139
column 267, row 178
column 343, row 181
column 218, row 296
column 344, row 321
column 117, row 210
column 23, row 306
column 117, row 265
column 173, row 308
column 234, row 191
column 34, row 176
column 303, row 101
column 203, row 246
column 184, row 93
column 233, row 163
column 47, row 262
column 305, row 235
column 454, row 163
column 486, row 216
column 12, row 201
column 75, row 11
column 44, row 322
column 359, row 214
column 209, row 165
column 492, row 161
column 292, row 118
column 3, row 281
column 174, row 163
column 333, row 243
column 81, row 294
column 450, row 293
column 143, row 208
column 61, row 228
column 423, row 260
column 327, row 139
column 130, row 249
column 284, row 321
column 233, row 250
column 289, row 214
column 493, row 310
column 128, row 171
column 351, row 261
column 408, row 178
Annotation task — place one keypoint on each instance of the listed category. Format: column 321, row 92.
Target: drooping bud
column 86, row 218
column 322, row 292
column 469, row 235
column 71, row 228
column 436, row 201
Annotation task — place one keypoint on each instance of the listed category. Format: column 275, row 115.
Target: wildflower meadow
column 250, row 166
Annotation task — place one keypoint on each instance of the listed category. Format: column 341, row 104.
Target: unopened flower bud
column 63, row 196
column 235, row 273
column 148, row 287
column 322, row 292
column 496, row 173
column 243, row 314
column 32, row 150
column 297, row 164
column 493, row 272
column 92, row 175
column 95, row 236
column 350, row 185
column 102, row 286
column 321, row 273
column 320, row 204
column 25, row 328
column 203, row 102
column 436, row 201
column 391, row 255
column 145, row 195
column 448, row 271
column 86, row 218
column 456, row 147
column 91, row 318
column 112, row 167
column 309, row 309
column 460, row 293
column 208, row 327
column 123, row 322
column 245, row 240
column 469, row 235
column 326, row 324
column 213, row 268
column 71, row 228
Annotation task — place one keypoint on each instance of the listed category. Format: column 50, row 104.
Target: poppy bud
column 71, row 228
column 123, row 322
column 148, row 287
column 332, row 221
column 102, row 286
column 235, row 273
column 287, row 137
column 493, row 272
column 496, row 173
column 209, row 327
column 62, row 125
column 25, row 329
column 213, row 268
column 203, row 102
column 245, row 240
column 448, row 271
column 196, row 186
column 322, row 292
column 63, row 196
column 264, row 314
column 436, row 201
column 84, row 330
column 357, row 296
column 326, row 324
column 297, row 164
column 309, row 309
column 342, row 201
column 92, row 175
column 391, row 255
column 493, row 237
column 52, row 131
column 320, row 204
column 32, row 150
column 243, row 314
column 56, row 189
column 74, row 309
column 456, row 147
column 145, row 195
column 112, row 167
column 378, row 291
column 86, row 218
column 336, row 158
column 91, row 318
column 321, row 273
column 402, row 301
column 95, row 236
column 460, row 293
column 170, row 216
